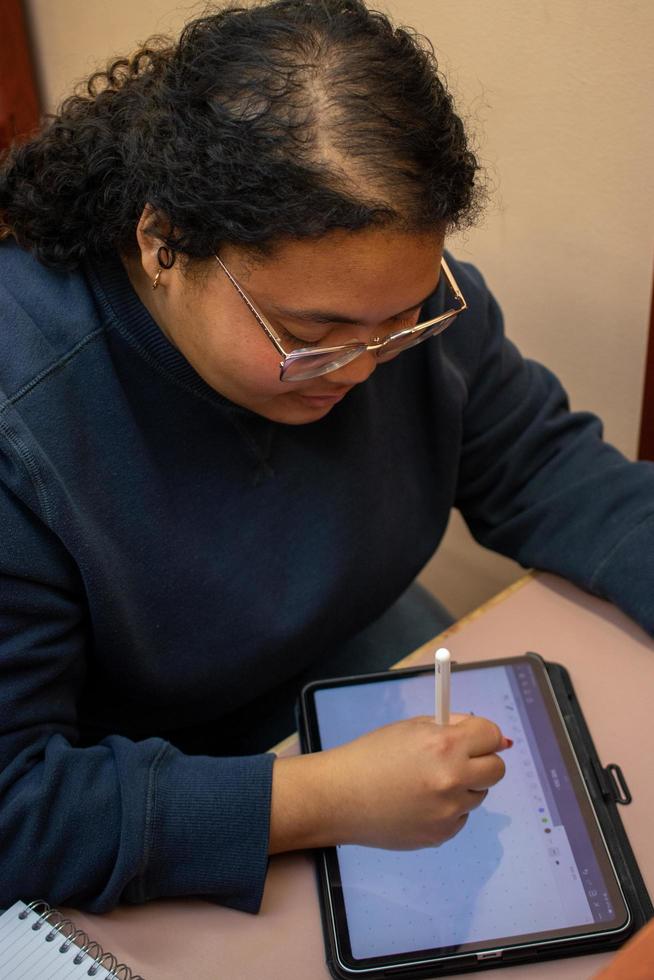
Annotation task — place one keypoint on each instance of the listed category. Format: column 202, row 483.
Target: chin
column 298, row 417
column 295, row 414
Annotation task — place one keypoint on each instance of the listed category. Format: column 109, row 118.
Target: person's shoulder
column 45, row 315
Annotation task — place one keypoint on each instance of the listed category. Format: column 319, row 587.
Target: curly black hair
column 286, row 119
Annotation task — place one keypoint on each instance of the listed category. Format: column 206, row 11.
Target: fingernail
column 506, row 742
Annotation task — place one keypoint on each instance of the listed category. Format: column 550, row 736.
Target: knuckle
column 494, row 732
column 447, row 740
column 478, row 799
column 500, row 767
column 452, row 811
column 448, row 784
column 455, row 826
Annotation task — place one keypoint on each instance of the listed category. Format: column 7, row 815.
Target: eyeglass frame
column 377, row 343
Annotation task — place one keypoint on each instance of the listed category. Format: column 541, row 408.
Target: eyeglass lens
column 306, row 366
column 394, row 347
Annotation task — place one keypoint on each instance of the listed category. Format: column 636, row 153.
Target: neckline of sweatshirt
column 117, row 298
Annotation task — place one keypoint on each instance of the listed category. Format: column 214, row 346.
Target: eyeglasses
column 311, row 362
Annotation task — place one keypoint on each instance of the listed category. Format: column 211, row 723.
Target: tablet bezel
column 502, row 949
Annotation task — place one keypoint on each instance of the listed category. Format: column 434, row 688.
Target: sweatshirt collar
column 115, row 294
column 113, row 290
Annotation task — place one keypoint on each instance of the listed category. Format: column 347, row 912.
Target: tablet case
column 608, row 789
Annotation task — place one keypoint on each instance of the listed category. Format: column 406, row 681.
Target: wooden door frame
column 646, row 443
column 19, row 101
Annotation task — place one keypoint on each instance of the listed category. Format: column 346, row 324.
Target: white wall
column 559, row 94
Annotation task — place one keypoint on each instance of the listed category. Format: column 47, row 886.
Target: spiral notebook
column 39, row 943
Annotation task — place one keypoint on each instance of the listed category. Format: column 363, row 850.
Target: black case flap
column 607, row 787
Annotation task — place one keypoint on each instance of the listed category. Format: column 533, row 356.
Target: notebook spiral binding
column 63, row 928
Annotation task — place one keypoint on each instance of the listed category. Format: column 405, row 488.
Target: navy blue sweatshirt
column 166, row 557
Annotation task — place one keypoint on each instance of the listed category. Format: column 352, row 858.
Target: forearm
column 133, row 821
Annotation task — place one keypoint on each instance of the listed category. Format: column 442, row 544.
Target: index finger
column 482, row 736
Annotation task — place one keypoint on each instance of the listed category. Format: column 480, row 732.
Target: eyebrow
column 328, row 316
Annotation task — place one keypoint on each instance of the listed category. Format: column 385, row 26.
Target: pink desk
column 195, row 940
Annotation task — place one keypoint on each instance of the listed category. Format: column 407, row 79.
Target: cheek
column 238, row 355
column 258, row 371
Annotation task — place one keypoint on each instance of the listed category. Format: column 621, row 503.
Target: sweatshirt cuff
column 626, row 575
column 207, row 829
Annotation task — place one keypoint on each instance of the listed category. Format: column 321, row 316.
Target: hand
column 412, row 784
column 407, row 785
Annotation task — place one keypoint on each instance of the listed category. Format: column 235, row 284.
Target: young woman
column 241, row 387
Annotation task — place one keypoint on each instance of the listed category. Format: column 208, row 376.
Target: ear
column 148, row 239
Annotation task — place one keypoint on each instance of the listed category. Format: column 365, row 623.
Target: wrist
column 303, row 805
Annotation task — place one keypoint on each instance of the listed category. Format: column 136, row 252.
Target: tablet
column 530, row 875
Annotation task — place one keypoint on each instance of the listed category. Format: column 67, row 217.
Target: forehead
column 345, row 270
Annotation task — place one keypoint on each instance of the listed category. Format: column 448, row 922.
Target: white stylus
column 442, row 686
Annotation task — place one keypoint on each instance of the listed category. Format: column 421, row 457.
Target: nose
column 356, row 371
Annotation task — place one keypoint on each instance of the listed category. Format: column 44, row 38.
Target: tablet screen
column 530, row 863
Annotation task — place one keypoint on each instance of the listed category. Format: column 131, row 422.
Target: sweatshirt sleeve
column 538, row 483
column 120, row 820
